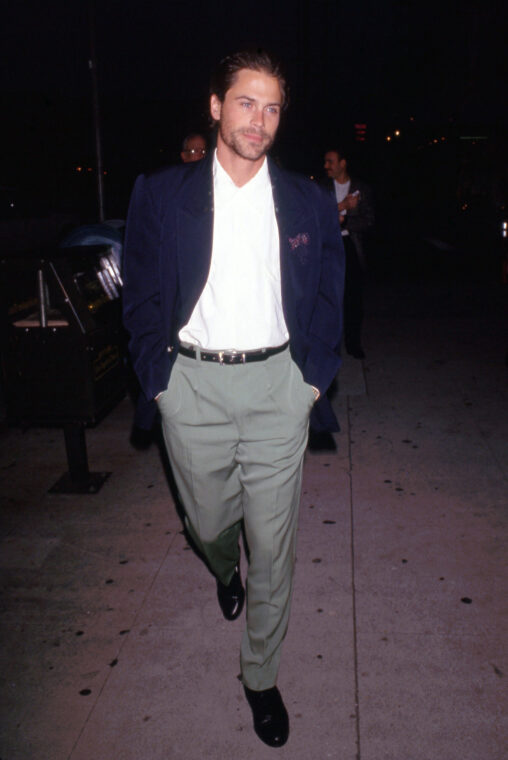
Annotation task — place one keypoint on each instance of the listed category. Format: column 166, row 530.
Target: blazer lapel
column 194, row 235
column 296, row 231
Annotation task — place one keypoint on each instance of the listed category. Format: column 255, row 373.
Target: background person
column 356, row 212
column 193, row 148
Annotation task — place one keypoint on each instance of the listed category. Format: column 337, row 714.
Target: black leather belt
column 232, row 357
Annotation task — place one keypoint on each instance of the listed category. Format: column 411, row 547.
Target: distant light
column 89, row 169
column 388, row 138
column 443, row 139
column 104, row 172
column 504, row 229
column 79, row 168
column 435, row 140
column 397, row 133
column 411, row 118
column 311, row 176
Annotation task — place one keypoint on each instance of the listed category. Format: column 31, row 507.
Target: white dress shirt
column 241, row 305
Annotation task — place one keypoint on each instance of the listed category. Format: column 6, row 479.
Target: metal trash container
column 62, row 355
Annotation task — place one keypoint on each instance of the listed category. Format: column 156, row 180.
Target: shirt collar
column 253, row 191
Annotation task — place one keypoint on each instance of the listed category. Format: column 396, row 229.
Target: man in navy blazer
column 233, row 285
column 171, row 211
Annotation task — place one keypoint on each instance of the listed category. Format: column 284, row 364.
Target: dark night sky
column 366, row 54
column 377, row 62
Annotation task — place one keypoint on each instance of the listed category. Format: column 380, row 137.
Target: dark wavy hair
column 255, row 59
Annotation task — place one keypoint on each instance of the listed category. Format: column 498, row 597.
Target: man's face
column 195, row 149
column 334, row 165
column 249, row 115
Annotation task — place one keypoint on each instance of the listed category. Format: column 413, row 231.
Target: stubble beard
column 240, row 144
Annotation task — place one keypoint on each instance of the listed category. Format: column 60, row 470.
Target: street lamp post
column 92, row 65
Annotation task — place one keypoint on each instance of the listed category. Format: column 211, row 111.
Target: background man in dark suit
column 233, row 297
column 356, row 211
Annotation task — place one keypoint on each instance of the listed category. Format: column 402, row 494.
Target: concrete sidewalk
column 113, row 645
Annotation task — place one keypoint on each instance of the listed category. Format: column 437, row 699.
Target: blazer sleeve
column 141, row 292
column 323, row 358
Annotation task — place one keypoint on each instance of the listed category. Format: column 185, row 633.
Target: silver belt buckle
column 234, row 352
column 231, row 352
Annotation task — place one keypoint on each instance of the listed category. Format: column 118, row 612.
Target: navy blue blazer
column 167, row 253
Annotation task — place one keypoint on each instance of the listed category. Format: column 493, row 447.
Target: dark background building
column 434, row 73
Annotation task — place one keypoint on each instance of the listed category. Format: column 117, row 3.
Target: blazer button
column 170, row 348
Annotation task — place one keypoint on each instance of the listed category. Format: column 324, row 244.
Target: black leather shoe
column 271, row 722
column 232, row 597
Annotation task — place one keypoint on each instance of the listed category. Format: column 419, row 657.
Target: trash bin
column 62, row 338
